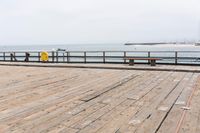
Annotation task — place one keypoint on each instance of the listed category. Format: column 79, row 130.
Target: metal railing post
column 11, row 56
column 63, row 57
column 57, row 56
column 124, row 57
column 52, row 56
column 4, row 56
column 39, row 56
column 176, row 57
column 85, row 57
column 67, row 57
column 104, row 57
column 149, row 55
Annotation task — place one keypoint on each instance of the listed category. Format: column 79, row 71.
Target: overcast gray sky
column 97, row 21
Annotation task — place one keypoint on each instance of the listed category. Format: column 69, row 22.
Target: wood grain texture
column 67, row 100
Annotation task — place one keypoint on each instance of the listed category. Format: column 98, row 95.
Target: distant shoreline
column 143, row 43
column 159, row 43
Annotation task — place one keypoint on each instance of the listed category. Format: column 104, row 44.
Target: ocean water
column 102, row 47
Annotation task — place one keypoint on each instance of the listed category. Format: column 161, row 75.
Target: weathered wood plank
column 191, row 120
column 111, row 121
column 175, row 113
column 150, row 105
column 84, row 100
column 153, row 123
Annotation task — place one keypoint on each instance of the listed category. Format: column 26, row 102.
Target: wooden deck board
column 150, row 102
column 175, row 114
column 191, row 120
column 68, row 100
column 114, row 122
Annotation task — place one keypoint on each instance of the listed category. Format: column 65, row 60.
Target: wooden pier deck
column 68, row 100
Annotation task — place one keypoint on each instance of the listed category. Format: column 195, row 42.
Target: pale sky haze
column 26, row 22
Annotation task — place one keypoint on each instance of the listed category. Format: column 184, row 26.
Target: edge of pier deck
column 176, row 68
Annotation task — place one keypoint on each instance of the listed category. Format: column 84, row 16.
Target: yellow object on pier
column 44, row 56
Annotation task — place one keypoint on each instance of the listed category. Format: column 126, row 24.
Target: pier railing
column 168, row 57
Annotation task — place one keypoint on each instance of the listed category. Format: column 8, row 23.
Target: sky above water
column 28, row 22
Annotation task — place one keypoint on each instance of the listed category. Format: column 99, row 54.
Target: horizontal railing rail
column 168, row 57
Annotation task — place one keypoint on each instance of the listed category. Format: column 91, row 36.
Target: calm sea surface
column 103, row 47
